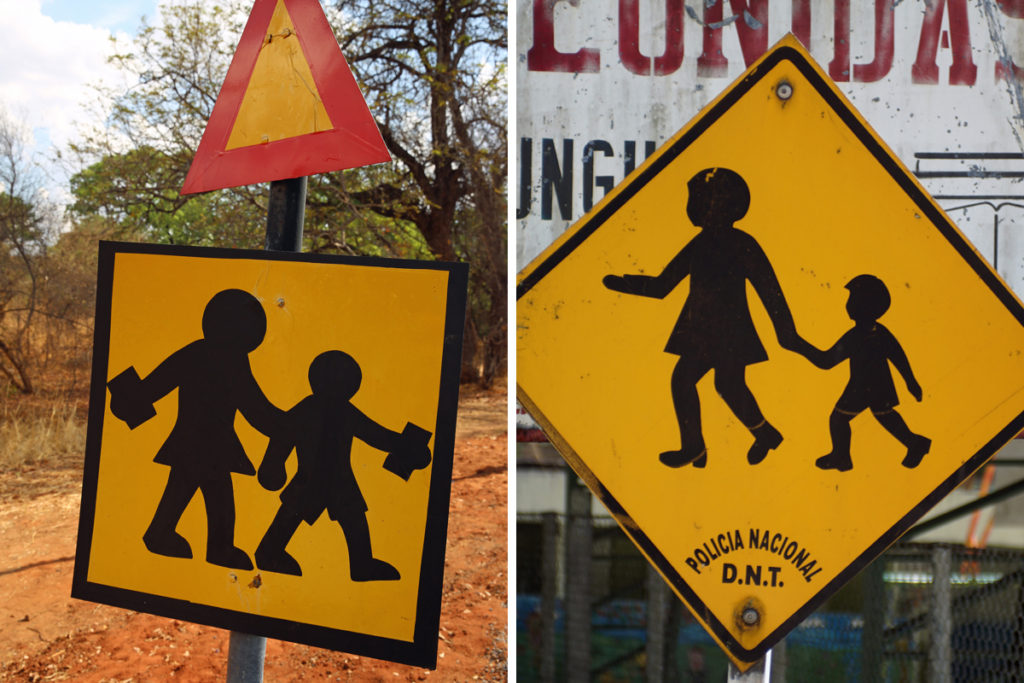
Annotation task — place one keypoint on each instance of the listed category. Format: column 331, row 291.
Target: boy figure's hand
column 616, row 283
column 271, row 478
column 271, row 475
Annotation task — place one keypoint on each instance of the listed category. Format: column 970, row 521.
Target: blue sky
column 113, row 15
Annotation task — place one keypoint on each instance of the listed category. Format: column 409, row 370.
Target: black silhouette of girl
column 214, row 381
column 321, row 428
column 715, row 330
column 870, row 347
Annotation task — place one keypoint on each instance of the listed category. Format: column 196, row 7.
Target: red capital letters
column 880, row 65
column 629, row 39
column 801, row 22
column 962, row 71
column 753, row 38
column 543, row 56
column 1015, row 10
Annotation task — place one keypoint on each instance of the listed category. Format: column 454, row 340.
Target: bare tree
column 434, row 72
column 26, row 225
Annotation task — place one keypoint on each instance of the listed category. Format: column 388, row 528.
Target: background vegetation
column 434, row 75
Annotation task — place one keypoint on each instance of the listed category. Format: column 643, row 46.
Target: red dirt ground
column 47, row 636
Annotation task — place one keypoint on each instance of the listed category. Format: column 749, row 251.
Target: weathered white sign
column 602, row 83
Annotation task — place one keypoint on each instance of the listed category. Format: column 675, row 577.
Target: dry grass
column 34, row 435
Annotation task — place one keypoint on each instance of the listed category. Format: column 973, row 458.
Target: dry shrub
column 29, row 437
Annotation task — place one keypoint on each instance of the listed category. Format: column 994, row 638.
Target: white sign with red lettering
column 602, row 83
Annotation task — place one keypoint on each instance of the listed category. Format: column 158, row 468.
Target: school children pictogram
column 715, row 332
column 769, row 352
column 270, row 443
column 214, row 381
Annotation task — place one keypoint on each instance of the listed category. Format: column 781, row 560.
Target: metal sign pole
column 759, row 673
column 245, row 658
column 286, row 211
column 285, row 214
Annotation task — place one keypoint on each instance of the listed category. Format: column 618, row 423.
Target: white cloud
column 47, row 68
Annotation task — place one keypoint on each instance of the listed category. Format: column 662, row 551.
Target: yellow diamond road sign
column 270, row 443
column 769, row 352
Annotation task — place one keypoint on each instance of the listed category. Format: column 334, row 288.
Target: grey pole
column 286, row 211
column 658, row 596
column 548, row 594
column 940, row 653
column 872, row 639
column 761, row 672
column 578, row 549
column 245, row 658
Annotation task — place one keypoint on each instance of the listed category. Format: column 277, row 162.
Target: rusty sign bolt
column 784, row 90
column 750, row 616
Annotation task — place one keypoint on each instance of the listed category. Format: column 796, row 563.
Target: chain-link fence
column 590, row 609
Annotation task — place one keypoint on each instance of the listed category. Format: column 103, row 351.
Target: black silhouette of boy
column 715, row 330
column 321, row 428
column 870, row 347
column 214, row 381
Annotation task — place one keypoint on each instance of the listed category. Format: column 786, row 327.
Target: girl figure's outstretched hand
column 640, row 285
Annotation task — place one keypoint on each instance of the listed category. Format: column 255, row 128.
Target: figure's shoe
column 834, row 462
column 766, row 438
column 683, row 457
column 172, row 544
column 279, row 562
column 701, row 460
column 230, row 557
column 373, row 570
column 917, row 450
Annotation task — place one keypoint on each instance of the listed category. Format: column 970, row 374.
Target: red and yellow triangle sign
column 289, row 106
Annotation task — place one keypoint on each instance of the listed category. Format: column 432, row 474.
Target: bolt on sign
column 289, row 106
column 270, row 443
column 765, row 376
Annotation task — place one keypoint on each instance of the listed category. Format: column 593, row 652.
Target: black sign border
column 659, row 161
column 422, row 651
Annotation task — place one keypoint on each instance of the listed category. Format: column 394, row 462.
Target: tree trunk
column 22, row 382
column 470, row 346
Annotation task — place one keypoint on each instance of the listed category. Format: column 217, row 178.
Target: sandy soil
column 47, row 636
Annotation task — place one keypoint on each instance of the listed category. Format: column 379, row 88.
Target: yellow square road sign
column 769, row 352
column 270, row 443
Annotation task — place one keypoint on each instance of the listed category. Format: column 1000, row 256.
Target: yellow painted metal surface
column 281, row 100
column 391, row 320
column 592, row 365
